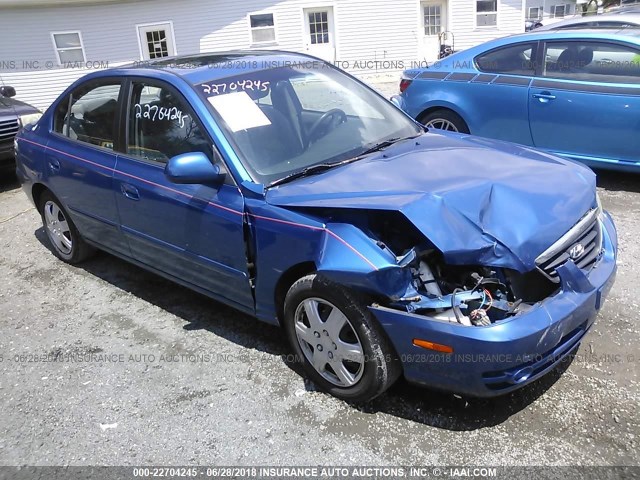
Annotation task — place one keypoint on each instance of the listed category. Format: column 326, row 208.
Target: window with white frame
column 319, row 27
column 68, row 47
column 560, row 11
column 534, row 13
column 263, row 28
column 486, row 13
column 432, row 16
column 156, row 40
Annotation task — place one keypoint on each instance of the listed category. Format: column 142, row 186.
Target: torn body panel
column 462, row 193
column 285, row 238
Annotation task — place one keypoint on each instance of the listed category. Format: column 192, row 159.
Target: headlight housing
column 28, row 118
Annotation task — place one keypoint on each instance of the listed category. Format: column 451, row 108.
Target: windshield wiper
column 379, row 146
column 313, row 169
column 384, row 144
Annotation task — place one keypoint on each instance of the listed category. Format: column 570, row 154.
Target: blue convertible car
column 574, row 93
column 282, row 186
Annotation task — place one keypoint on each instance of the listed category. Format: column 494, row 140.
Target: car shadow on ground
column 452, row 412
column 421, row 405
column 8, row 182
column 618, row 181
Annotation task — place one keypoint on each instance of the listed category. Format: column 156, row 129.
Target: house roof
column 53, row 3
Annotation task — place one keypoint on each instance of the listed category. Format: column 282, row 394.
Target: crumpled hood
column 479, row 201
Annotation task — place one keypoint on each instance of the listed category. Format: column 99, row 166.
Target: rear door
column 586, row 101
column 191, row 232
column 80, row 159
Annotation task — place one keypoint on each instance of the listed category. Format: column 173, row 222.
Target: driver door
column 193, row 233
column 586, row 104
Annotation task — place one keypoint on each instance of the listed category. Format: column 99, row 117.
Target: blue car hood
column 479, row 201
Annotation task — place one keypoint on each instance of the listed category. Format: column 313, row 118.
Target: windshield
column 286, row 119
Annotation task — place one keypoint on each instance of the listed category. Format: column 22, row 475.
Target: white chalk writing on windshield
column 236, row 86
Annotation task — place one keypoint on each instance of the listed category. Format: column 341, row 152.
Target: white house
column 48, row 44
column 551, row 11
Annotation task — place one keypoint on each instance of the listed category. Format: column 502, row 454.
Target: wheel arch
column 288, row 278
column 435, row 108
column 36, row 193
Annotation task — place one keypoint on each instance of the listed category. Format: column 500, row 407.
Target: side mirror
column 7, row 92
column 193, row 168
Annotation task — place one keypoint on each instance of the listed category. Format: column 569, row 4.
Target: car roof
column 624, row 33
column 629, row 34
column 629, row 17
column 206, row 67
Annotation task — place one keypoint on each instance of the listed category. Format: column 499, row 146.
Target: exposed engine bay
column 460, row 295
column 471, row 295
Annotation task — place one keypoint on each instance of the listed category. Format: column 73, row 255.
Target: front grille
column 8, row 128
column 582, row 244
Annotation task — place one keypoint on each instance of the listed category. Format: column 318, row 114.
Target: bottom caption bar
column 320, row 472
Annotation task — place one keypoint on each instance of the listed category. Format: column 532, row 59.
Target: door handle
column 544, row 97
column 129, row 191
column 54, row 165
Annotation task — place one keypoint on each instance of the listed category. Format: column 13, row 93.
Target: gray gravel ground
column 128, row 403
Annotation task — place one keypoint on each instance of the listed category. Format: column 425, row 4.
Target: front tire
column 337, row 341
column 66, row 242
column 445, row 120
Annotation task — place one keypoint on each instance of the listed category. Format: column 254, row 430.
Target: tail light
column 404, row 84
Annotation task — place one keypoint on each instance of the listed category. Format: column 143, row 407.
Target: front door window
column 592, row 62
column 161, row 126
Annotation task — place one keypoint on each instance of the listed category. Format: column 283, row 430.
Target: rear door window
column 90, row 114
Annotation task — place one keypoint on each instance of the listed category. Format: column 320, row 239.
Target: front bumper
column 493, row 360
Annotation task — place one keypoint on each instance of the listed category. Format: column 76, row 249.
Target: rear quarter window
column 513, row 59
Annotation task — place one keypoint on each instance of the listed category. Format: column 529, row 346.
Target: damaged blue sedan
column 280, row 185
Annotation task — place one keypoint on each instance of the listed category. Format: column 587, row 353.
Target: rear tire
column 337, row 341
column 66, row 242
column 444, row 119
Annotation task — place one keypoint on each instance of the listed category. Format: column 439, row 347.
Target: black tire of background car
column 80, row 250
column 448, row 115
column 382, row 367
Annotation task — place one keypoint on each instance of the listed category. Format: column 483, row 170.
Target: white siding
column 365, row 30
column 463, row 22
column 372, row 36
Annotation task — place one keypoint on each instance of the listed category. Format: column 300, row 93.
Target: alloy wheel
column 329, row 342
column 58, row 228
column 442, row 124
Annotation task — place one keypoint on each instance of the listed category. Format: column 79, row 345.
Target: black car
column 14, row 114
